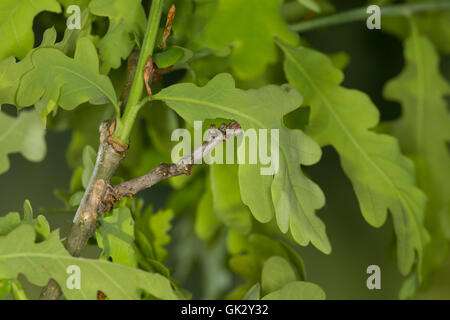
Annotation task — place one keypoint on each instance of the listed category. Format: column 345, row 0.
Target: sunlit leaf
column 227, row 203
column 276, row 273
column 290, row 195
column 151, row 231
column 12, row 220
column 423, row 136
column 11, row 71
column 40, row 261
column 125, row 18
column 59, row 80
column 116, row 237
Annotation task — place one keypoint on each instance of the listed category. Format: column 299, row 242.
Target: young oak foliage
column 420, row 88
column 125, row 18
column 19, row 254
column 382, row 178
column 226, row 199
column 250, row 29
column 289, row 195
column 16, row 21
column 115, row 237
column 24, row 134
column 280, row 282
column 11, row 71
column 59, row 80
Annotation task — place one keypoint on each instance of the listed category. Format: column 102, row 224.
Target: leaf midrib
column 338, row 119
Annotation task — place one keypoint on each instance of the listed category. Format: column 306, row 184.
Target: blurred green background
column 375, row 57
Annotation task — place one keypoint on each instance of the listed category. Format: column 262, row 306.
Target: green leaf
column 173, row 55
column 59, row 80
column 24, row 134
column 12, row 220
column 126, row 17
column 40, row 261
column 191, row 19
column 206, row 223
column 227, row 203
column 71, row 36
column 40, row 224
column 383, row 179
column 251, row 252
column 11, row 72
column 16, row 21
column 115, row 237
column 151, row 231
column 276, row 273
column 161, row 121
column 250, row 27
column 295, row 197
column 423, row 134
column 299, row 290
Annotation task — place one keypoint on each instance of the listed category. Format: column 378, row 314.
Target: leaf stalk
column 133, row 106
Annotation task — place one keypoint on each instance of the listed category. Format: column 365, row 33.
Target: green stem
column 18, row 291
column 361, row 14
column 133, row 106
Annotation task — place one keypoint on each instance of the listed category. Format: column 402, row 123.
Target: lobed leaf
column 251, row 26
column 125, row 18
column 382, row 177
column 19, row 254
column 59, row 80
column 11, row 71
column 421, row 90
column 24, row 134
column 290, row 195
column 226, row 199
column 16, row 22
column 432, row 23
column 276, row 273
column 151, row 231
column 115, row 237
